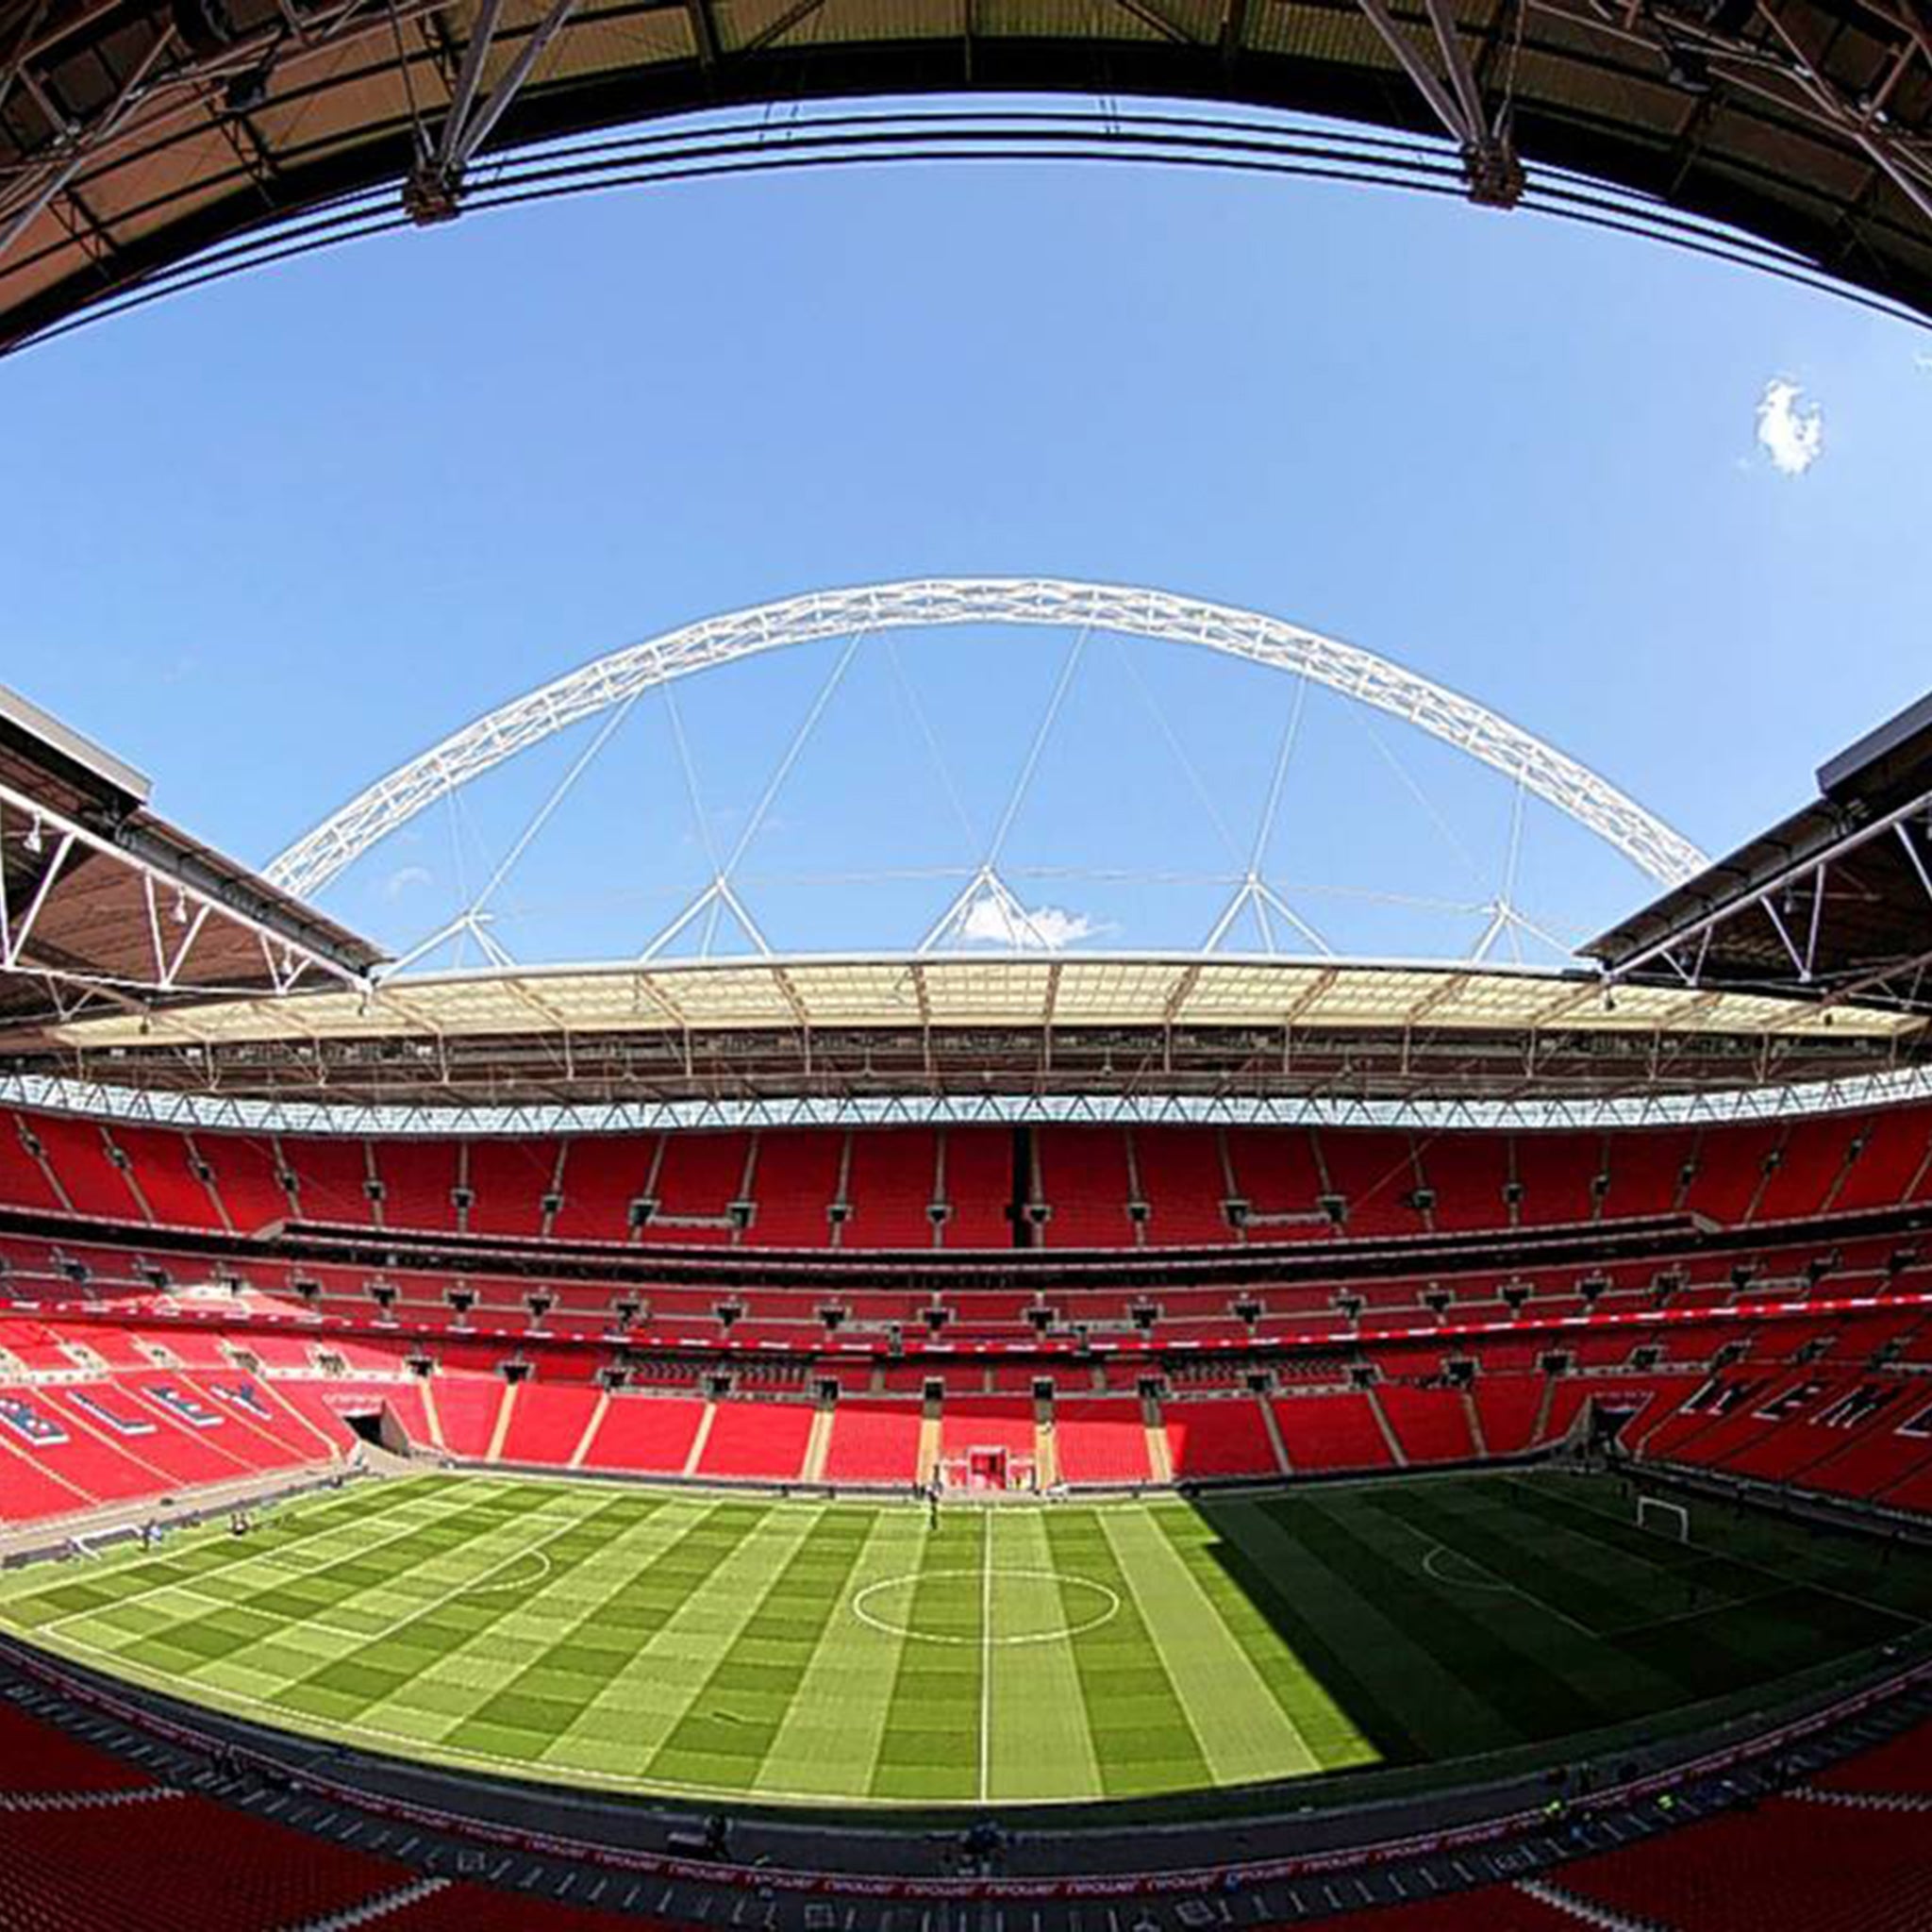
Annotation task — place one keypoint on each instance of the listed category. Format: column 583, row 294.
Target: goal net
column 1664, row 1518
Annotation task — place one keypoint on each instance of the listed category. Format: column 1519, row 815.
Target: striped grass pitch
column 846, row 1653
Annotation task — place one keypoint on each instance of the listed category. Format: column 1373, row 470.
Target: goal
column 1666, row 1519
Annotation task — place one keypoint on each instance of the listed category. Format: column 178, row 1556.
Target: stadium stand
column 1791, row 1861
column 89, row 1865
column 1225, row 1437
column 1087, row 1187
column 469, row 1407
column 762, row 1440
column 1101, row 1439
column 41, row 1759
column 649, row 1433
column 1901, row 1767
column 90, row 1840
column 547, row 1422
column 1779, row 1349
column 1332, row 1432
column 1430, row 1425
column 874, row 1443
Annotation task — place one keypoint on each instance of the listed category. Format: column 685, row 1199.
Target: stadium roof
column 105, row 906
column 135, row 132
column 974, row 1024
column 1833, row 904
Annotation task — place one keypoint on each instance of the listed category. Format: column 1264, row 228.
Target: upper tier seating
column 1089, row 1188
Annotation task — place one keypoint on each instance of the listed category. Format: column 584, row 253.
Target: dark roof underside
column 94, row 886
column 1813, row 136
column 1835, row 900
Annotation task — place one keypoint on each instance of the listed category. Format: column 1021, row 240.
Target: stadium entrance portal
column 983, row 1469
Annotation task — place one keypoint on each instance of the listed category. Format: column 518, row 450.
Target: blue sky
column 271, row 538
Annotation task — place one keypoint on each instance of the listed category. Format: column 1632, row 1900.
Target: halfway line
column 985, row 1651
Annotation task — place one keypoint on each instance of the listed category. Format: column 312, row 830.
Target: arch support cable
column 1658, row 851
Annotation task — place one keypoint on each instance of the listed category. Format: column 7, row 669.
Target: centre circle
column 979, row 1607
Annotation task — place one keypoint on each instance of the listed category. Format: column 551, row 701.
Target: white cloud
column 406, row 879
column 1790, row 432
column 992, row 919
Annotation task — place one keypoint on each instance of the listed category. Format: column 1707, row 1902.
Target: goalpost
column 1665, row 1518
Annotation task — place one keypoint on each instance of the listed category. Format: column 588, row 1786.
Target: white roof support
column 1806, row 883
column 1591, row 801
column 217, row 1112
column 188, row 909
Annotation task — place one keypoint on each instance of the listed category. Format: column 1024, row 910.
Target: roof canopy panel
column 976, row 1025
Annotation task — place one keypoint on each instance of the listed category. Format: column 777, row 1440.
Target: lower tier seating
column 874, row 1443
column 1792, row 1862
column 96, row 1845
column 1101, row 1440
column 167, row 1862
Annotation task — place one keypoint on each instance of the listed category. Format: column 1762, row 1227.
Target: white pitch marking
column 240, row 1568
column 1064, row 1634
column 1488, row 1580
column 985, row 1656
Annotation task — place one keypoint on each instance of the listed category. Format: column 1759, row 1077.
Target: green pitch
column 846, row 1652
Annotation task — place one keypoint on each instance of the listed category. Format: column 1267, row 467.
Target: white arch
column 319, row 854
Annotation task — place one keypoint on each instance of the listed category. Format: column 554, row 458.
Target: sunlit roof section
column 1027, row 992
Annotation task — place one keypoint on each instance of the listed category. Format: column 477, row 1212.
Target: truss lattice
column 617, row 679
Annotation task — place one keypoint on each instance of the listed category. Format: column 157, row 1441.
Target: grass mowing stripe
column 346, row 1687
column 1244, row 1734
column 1403, row 1699
column 724, row 1736
column 1536, row 1570
column 1543, row 1571
column 828, row 1740
column 1726, row 1575
column 1533, row 1698
column 929, row 1746
column 550, row 1647
column 664, row 1618
column 1142, row 1741
column 1294, row 1682
column 391, row 1570
column 125, row 1576
column 175, row 1630
column 679, row 1611
column 1038, row 1742
column 510, row 1689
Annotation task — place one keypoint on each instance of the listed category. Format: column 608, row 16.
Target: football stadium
column 989, row 1420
